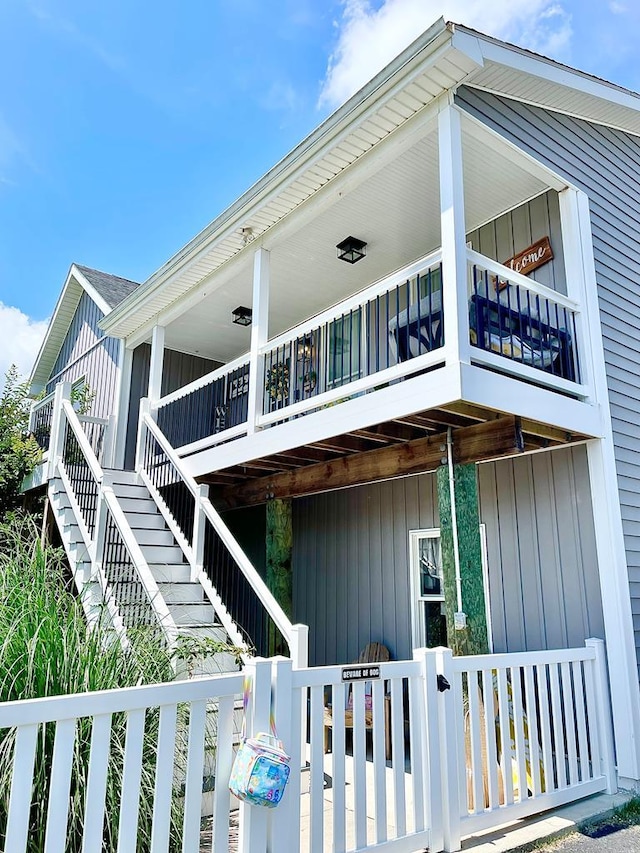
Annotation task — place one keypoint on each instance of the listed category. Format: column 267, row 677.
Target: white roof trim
column 454, row 46
column 54, row 338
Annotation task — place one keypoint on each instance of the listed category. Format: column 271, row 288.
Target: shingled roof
column 112, row 288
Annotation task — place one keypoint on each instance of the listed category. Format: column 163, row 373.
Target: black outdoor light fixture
column 242, row 316
column 351, row 250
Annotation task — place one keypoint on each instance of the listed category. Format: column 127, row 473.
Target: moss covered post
column 471, row 640
column 279, row 548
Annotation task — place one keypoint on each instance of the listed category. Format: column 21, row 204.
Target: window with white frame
column 428, row 623
column 429, row 627
column 345, row 356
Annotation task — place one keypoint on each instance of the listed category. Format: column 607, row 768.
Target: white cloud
column 369, row 38
column 20, row 339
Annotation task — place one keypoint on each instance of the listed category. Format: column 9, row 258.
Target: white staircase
column 193, row 615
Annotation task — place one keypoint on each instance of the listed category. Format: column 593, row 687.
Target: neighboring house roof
column 443, row 58
column 104, row 289
column 112, row 288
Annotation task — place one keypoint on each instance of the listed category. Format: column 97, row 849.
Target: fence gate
column 407, row 755
column 362, row 741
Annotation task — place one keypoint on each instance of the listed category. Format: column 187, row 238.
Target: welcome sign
column 530, row 259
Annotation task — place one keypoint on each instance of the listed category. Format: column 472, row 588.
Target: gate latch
column 443, row 684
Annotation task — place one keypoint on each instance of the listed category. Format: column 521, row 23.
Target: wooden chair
column 372, row 653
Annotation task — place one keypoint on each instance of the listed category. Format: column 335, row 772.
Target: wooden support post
column 471, row 640
column 279, row 553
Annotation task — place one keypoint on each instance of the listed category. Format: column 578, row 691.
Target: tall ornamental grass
column 46, row 649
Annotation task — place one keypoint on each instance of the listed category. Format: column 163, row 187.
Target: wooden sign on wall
column 530, row 259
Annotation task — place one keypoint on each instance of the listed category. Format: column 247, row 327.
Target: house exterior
column 492, row 321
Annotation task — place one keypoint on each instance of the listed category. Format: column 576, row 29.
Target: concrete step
column 122, row 477
column 131, row 490
column 193, row 615
column 145, row 521
column 181, row 593
column 171, row 573
column 159, row 538
column 162, row 553
column 142, row 505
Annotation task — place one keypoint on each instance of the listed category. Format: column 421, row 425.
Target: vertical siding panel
column 490, row 517
column 529, row 559
column 605, row 164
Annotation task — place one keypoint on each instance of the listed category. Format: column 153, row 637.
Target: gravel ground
column 620, row 833
column 205, row 835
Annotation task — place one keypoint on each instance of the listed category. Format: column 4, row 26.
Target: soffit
column 396, row 211
column 405, row 93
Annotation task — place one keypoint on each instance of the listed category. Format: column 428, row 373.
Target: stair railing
column 238, row 594
column 130, row 592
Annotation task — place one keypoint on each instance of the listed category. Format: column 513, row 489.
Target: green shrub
column 46, row 649
column 19, row 452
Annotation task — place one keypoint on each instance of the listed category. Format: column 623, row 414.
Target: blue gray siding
column 351, row 558
column 605, row 164
column 86, row 353
column 515, row 231
column 178, row 369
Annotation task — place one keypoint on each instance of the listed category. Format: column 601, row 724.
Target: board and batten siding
column 178, row 369
column 86, row 353
column 351, row 558
column 605, row 164
column 515, row 231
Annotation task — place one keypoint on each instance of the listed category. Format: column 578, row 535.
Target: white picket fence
column 515, row 734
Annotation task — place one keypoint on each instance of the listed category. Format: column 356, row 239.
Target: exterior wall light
column 351, row 250
column 242, row 316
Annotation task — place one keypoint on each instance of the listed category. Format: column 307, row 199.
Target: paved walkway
column 614, row 839
column 529, row 834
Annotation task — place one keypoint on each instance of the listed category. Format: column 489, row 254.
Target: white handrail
column 522, row 281
column 356, row 301
column 107, row 494
column 207, row 379
column 90, row 419
column 36, row 405
column 85, row 446
column 141, row 566
column 173, row 457
column 263, row 592
column 246, row 567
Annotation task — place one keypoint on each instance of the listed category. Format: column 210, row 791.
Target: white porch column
column 125, row 364
column 155, row 366
column 259, row 335
column 455, row 300
column 605, row 497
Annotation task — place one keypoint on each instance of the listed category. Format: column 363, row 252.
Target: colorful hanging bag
column 261, row 768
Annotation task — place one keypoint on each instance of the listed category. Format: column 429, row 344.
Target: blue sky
column 125, row 127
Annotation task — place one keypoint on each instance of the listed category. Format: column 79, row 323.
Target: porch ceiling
column 396, row 210
column 399, row 447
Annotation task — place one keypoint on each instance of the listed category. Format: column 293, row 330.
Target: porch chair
column 372, row 653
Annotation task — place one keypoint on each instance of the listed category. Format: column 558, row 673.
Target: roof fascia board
column 91, row 291
column 64, row 296
column 384, row 86
column 395, row 143
column 539, row 66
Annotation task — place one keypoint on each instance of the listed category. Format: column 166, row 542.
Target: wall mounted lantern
column 242, row 316
column 351, row 250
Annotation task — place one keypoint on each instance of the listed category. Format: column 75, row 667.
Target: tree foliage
column 18, row 450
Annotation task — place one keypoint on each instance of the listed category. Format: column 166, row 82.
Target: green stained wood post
column 279, row 549
column 471, row 640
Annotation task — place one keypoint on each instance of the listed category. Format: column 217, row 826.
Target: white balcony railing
column 385, row 333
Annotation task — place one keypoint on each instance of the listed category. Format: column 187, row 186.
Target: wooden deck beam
column 491, row 440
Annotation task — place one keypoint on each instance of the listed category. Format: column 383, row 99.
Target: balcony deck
column 368, row 388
